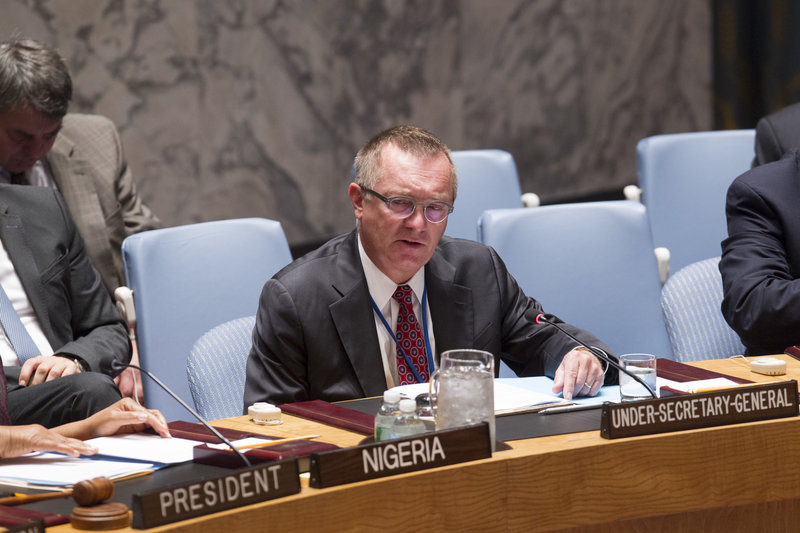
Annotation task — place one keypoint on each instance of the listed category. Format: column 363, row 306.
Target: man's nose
column 417, row 218
column 38, row 148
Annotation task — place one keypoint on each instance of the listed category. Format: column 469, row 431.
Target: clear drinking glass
column 643, row 365
column 462, row 390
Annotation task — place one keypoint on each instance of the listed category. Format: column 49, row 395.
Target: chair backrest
column 188, row 279
column 216, row 368
column 487, row 179
column 591, row 264
column 691, row 300
column 684, row 178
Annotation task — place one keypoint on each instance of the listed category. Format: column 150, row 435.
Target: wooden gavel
column 85, row 493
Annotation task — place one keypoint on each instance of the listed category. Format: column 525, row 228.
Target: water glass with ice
column 462, row 390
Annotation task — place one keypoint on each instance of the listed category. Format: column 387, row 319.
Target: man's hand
column 46, row 368
column 579, row 374
column 19, row 440
column 124, row 416
column 129, row 386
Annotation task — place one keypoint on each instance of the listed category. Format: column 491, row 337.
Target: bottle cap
column 391, row 396
column 408, row 406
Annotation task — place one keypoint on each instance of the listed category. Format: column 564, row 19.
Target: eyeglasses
column 403, row 206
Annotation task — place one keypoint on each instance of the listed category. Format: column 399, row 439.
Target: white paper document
column 145, row 447
column 507, row 398
column 54, row 469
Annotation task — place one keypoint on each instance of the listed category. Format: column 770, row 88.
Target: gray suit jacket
column 90, row 171
column 315, row 334
column 67, row 295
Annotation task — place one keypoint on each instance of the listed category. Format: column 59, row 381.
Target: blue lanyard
column 425, row 333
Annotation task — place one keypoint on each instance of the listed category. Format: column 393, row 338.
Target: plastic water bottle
column 384, row 419
column 407, row 423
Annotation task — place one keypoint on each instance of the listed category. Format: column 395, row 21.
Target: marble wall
column 256, row 107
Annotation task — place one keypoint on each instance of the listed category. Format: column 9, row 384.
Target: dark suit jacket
column 75, row 311
column 315, row 334
column 89, row 168
column 776, row 134
column 760, row 262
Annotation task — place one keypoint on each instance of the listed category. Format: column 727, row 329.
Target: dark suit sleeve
column 96, row 331
column 761, row 295
column 277, row 366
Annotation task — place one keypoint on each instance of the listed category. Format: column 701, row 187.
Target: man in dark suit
column 323, row 324
column 760, row 263
column 80, row 155
column 63, row 305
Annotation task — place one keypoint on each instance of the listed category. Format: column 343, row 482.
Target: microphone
column 116, row 365
column 597, row 352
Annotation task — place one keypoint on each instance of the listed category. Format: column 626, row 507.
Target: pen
column 570, row 408
column 711, row 389
column 279, row 441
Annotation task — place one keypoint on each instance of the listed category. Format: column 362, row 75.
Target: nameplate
column 706, row 409
column 396, row 456
column 233, row 489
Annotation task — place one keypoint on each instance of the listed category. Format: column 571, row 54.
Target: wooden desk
column 731, row 478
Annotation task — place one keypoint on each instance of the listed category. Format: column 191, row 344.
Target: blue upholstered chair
column 487, row 179
column 188, row 279
column 683, row 179
column 691, row 300
column 216, row 368
column 591, row 264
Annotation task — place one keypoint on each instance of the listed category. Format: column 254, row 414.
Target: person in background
column 323, row 322
column 62, row 339
column 760, row 262
column 79, row 155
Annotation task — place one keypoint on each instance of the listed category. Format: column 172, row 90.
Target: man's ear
column 357, row 197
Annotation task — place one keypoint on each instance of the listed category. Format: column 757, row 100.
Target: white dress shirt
column 16, row 293
column 381, row 288
column 41, row 176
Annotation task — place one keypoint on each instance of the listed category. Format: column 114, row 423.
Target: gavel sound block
column 91, row 513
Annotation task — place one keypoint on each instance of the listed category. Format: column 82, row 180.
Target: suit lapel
column 72, row 177
column 75, row 183
column 352, row 316
column 14, row 241
column 451, row 306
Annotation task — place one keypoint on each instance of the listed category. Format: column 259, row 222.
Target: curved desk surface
column 730, row 478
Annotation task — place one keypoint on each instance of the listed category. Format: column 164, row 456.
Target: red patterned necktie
column 409, row 338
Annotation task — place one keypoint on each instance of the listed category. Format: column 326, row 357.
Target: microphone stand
column 116, row 365
column 600, row 354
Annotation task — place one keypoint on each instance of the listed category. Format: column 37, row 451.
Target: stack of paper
column 508, row 398
column 56, row 470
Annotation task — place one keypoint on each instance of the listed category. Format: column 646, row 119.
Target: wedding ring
column 587, row 385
